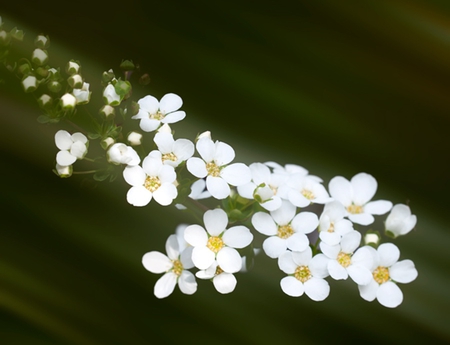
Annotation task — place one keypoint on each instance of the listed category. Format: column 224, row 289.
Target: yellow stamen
column 152, row 183
column 285, row 231
column 177, row 267
column 302, row 273
column 215, row 244
column 381, row 274
column 213, row 169
column 344, row 259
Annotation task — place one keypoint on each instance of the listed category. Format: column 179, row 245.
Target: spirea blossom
column 120, row 153
column 72, row 146
column 214, row 166
column 173, row 152
column 400, row 221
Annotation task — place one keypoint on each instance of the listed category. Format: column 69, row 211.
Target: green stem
column 196, row 208
column 84, row 172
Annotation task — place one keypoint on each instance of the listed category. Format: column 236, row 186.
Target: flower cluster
column 314, row 232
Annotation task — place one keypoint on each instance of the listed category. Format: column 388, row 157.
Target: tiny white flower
column 217, row 242
column 153, row 112
column 83, row 94
column 39, row 57
column 305, row 274
column 29, row 83
column 332, row 225
column 400, row 221
column 356, row 194
column 175, row 265
column 285, row 229
column 135, row 138
column 119, row 153
column 214, row 166
column 386, row 272
column 224, row 282
column 152, row 180
column 68, row 101
column 72, row 147
column 174, row 152
column 346, row 261
column 302, row 190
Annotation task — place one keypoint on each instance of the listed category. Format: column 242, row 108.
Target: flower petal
column 174, row 117
column 195, row 235
column 292, row 287
column 165, row 285
column 172, row 249
column 229, row 260
column 317, row 289
column 224, row 154
column 236, row 174
column 274, row 246
column 378, row 207
column 139, row 196
column 187, row 283
column 197, row 167
column 264, row 224
column 63, row 140
column 202, row 257
column 156, row 262
column 388, row 254
column 389, row 295
column 218, row 187
column 237, row 237
column 403, row 271
column 225, row 282
column 215, row 221
column 364, row 188
column 64, row 158
column 170, row 102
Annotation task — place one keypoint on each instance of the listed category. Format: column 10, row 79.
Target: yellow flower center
column 152, row 183
column 169, row 157
column 344, row 259
column 308, row 194
column 381, row 274
column 177, row 267
column 355, row 209
column 215, row 244
column 212, row 169
column 331, row 228
column 302, row 273
column 285, row 231
column 157, row 116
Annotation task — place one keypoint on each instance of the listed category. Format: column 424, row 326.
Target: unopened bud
column 30, row 83
column 42, row 42
column 107, row 76
column 39, row 57
column 42, row 72
column 107, row 142
column 68, row 101
column 45, row 101
column 54, row 86
column 107, row 111
column 110, row 96
column 75, row 81
column 16, row 34
column 206, row 134
column 144, row 79
column 24, row 69
column 134, row 138
column 5, row 38
column 127, row 65
column 82, row 95
column 372, row 239
column 63, row 171
column 72, row 68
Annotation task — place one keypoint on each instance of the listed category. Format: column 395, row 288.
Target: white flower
column 119, row 153
column 213, row 166
column 306, row 274
column 153, row 180
column 263, row 187
column 344, row 261
column 82, row 95
column 332, row 225
column 400, row 221
column 302, row 190
column 217, row 242
column 110, row 95
column 386, row 272
column 152, row 113
column 72, row 147
column 286, row 230
column 223, row 282
column 174, row 152
column 355, row 196
column 175, row 266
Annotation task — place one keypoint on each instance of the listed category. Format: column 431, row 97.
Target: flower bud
column 75, row 81
column 82, row 95
column 45, row 101
column 5, row 38
column 206, row 134
column 24, row 69
column 30, row 83
column 42, row 72
column 107, row 111
column 68, row 101
column 122, row 87
column 107, row 76
column 144, row 79
column 110, row 96
column 16, row 34
column 42, row 42
column 134, row 138
column 72, row 68
column 372, row 238
column 39, row 57
column 63, row 171
column 54, row 86
column 127, row 65
column 107, row 142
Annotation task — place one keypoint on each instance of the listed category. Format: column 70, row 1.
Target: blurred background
column 337, row 87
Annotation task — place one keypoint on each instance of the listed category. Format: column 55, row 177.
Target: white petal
column 183, row 149
column 331, row 251
column 187, row 283
column 64, row 158
column 174, row 117
column 298, row 199
column 236, row 174
column 172, row 249
column 197, row 167
column 297, row 242
column 369, row 291
column 237, row 237
column 156, row 262
column 224, row 154
column 229, row 260
column 206, row 149
column 63, row 140
column 195, row 235
column 149, row 104
column 78, row 149
column 378, row 207
column 319, row 266
column 317, row 289
column 362, row 218
column 336, row 270
column 165, row 285
column 202, row 257
column 170, row 102
column 218, row 187
column 165, row 194
column 225, row 282
column 350, row 242
column 305, row 222
column 292, row 287
column 363, row 257
column 215, row 221
column 79, row 137
column 286, row 263
column 388, row 254
column 264, row 223
column 403, row 271
column 274, row 246
column 134, row 175
column 164, row 141
column 139, row 196
column 302, row 258
column 360, row 275
column 284, row 214
column 364, row 188
column 341, row 190
column 389, row 295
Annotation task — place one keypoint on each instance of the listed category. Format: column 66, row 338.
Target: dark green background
column 338, row 87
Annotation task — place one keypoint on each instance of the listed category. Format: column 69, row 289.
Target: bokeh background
column 337, row 87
